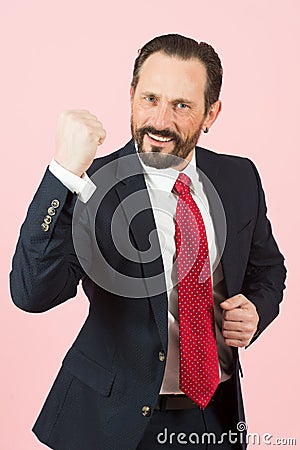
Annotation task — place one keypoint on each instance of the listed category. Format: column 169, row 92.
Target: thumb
column 237, row 301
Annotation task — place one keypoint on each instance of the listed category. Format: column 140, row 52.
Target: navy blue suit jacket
column 114, row 368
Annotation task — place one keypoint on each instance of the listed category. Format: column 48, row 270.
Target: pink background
column 64, row 54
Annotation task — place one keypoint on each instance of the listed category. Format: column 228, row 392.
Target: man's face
column 167, row 109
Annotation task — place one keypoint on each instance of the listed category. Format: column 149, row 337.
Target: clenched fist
column 77, row 137
column 240, row 320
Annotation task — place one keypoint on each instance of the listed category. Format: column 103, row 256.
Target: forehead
column 172, row 76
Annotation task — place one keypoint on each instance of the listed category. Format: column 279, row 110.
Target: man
column 179, row 265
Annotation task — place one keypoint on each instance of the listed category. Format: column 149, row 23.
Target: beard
column 155, row 158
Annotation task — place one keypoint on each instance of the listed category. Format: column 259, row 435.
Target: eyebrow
column 184, row 100
column 176, row 100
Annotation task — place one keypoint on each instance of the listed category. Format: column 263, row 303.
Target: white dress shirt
column 82, row 186
column 160, row 185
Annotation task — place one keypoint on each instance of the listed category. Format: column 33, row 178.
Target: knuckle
column 85, row 131
column 251, row 328
column 70, row 113
column 247, row 327
column 90, row 134
column 247, row 338
column 63, row 115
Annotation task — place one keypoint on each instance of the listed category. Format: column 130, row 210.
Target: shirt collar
column 164, row 179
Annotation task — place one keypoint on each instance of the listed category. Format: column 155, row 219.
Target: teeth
column 159, row 138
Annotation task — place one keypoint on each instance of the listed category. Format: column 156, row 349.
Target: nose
column 162, row 116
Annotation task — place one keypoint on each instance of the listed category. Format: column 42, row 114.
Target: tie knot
column 182, row 184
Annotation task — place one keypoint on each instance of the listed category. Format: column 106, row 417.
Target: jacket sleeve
column 265, row 275
column 45, row 270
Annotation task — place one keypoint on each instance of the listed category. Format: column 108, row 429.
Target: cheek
column 193, row 123
column 187, row 125
column 140, row 116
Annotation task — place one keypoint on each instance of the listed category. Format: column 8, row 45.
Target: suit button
column 45, row 226
column 55, row 203
column 47, row 219
column 161, row 356
column 51, row 211
column 146, row 411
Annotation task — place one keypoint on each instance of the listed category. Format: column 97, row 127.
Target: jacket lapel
column 136, row 205
column 208, row 163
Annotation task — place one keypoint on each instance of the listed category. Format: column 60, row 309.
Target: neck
column 186, row 161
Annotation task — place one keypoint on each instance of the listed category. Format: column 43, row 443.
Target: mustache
column 167, row 133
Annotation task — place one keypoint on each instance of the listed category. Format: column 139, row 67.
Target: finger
column 94, row 134
column 235, row 343
column 81, row 115
column 92, row 116
column 239, row 330
column 76, row 113
column 82, row 112
column 234, row 302
column 236, row 315
column 91, row 122
column 100, row 140
column 232, row 326
column 101, row 137
column 235, row 335
column 93, row 127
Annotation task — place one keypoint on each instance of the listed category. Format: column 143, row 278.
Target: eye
column 150, row 99
column 182, row 106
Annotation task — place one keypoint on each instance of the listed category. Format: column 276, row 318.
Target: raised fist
column 78, row 135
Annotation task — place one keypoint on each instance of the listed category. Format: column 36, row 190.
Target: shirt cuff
column 81, row 186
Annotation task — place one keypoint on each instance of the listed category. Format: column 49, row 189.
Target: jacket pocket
column 89, row 372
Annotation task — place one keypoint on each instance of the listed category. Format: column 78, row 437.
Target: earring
column 206, row 130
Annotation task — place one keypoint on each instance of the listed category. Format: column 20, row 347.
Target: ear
column 131, row 94
column 212, row 114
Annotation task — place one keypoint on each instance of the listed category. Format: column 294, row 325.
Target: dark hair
column 185, row 48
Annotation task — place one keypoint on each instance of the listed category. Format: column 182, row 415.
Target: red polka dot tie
column 199, row 368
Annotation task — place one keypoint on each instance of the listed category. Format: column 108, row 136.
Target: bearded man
column 175, row 253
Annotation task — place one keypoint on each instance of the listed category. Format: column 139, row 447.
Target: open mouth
column 159, row 138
